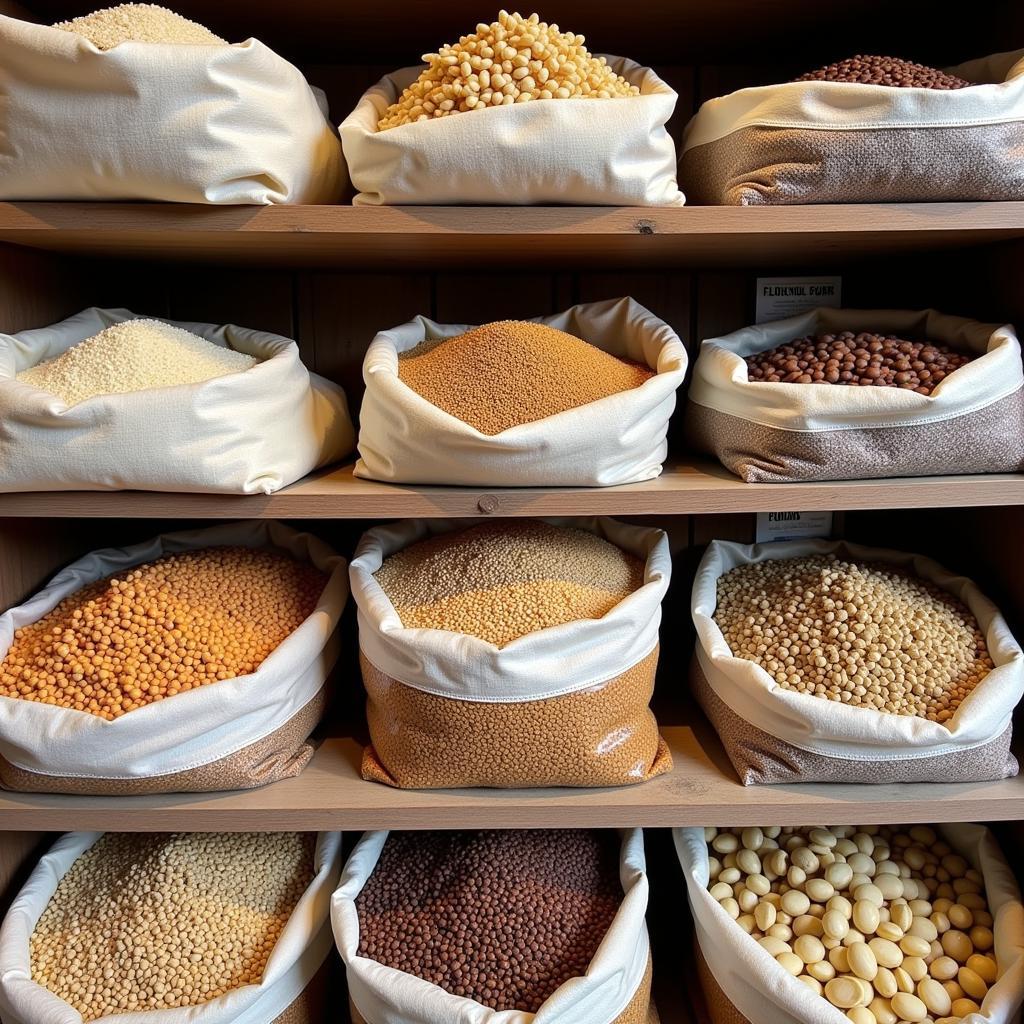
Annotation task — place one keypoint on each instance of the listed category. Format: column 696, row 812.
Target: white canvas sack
column 764, row 993
column 587, row 152
column 973, row 422
column 193, row 728
column 384, row 995
column 824, row 740
column 620, row 439
column 159, row 121
column 252, row 432
column 300, row 950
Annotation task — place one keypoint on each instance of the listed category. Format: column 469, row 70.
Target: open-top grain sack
column 568, row 906
column 462, row 131
column 208, row 928
column 212, row 664
column 848, row 427
column 842, row 141
column 136, row 103
column 857, row 665
column 511, row 653
column 597, row 438
column 887, row 924
column 107, row 400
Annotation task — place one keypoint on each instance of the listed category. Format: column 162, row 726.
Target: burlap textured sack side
column 589, row 152
column 973, row 422
column 840, row 142
column 155, row 121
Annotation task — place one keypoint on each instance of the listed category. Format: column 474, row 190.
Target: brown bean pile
column 175, row 624
column 874, row 70
column 505, row 374
column 866, row 358
column 501, row 580
column 149, row 922
column 502, row 917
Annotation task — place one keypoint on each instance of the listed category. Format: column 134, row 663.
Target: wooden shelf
column 701, row 790
column 429, row 237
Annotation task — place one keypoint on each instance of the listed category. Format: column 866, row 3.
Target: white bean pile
column 890, row 926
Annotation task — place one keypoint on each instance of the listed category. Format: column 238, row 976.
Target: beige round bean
column 943, row 968
column 748, row 862
column 886, row 953
column 835, row 924
column 908, row 1007
column 843, row 992
column 839, row 959
column 860, row 1015
column 862, row 961
column 795, row 902
column 812, row 983
column 914, row 945
column 885, row 983
column 982, row 938
column 759, row 884
column 839, row 874
column 773, row 945
column 764, row 915
column 822, row 971
column 752, row 838
column 934, row 996
column 960, row 916
column 865, row 916
column 984, row 967
column 964, row 1007
column 957, row 945
column 915, row 967
column 819, row 889
column 883, row 1011
column 890, row 931
column 790, row 962
column 973, row 984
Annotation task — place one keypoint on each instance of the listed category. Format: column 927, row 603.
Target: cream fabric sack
column 384, row 995
column 236, row 733
column 587, row 152
column 301, row 949
column 773, row 735
column 252, row 432
column 620, row 439
column 748, row 985
column 159, row 121
column 844, row 142
column 973, row 422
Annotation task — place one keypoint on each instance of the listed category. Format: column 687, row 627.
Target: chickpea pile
column 889, row 925
column 512, row 60
column 175, row 624
column 149, row 922
column 863, row 634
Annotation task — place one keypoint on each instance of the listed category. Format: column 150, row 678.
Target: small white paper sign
column 793, row 525
column 780, row 297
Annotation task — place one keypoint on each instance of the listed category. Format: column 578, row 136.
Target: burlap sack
column 841, row 142
column 774, row 735
column 564, row 706
column 588, row 152
column 291, row 991
column 155, row 121
column 973, row 422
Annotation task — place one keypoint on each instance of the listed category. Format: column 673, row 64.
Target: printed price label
column 793, row 525
column 780, row 297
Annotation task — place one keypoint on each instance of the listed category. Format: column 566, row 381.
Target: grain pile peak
column 871, row 69
column 500, row 581
column 512, row 60
column 134, row 356
column 511, row 372
column 139, row 23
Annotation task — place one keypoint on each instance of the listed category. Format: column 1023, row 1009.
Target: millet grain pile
column 150, row 922
column 891, row 71
column 502, row 917
column 139, row 23
column 512, row 372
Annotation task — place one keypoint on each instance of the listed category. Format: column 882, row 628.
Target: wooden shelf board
column 685, row 488
column 701, row 790
column 409, row 237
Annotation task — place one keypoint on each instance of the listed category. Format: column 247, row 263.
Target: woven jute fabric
column 720, row 1010
column 280, row 755
column 762, row 759
column 763, row 166
column 989, row 440
column 310, row 1005
column 604, row 735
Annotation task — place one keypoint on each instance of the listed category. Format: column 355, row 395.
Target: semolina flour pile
column 139, row 23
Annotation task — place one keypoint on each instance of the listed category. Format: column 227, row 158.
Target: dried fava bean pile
column 499, row 581
column 512, row 60
column 865, row 358
column 887, row 924
column 133, row 356
column 864, row 634
column 139, row 23
column 174, row 624
column 149, row 922
column 502, row 917
column 512, row 372
column 874, row 70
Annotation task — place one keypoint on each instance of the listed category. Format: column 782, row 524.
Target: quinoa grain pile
column 139, row 23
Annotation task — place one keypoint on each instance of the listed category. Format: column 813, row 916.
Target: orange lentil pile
column 174, row 624
column 512, row 372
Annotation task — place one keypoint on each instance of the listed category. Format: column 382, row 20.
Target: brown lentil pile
column 149, row 922
column 502, row 917
column 171, row 625
column 865, row 358
column 888, row 924
column 500, row 581
column 512, row 372
column 874, row 70
column 860, row 633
